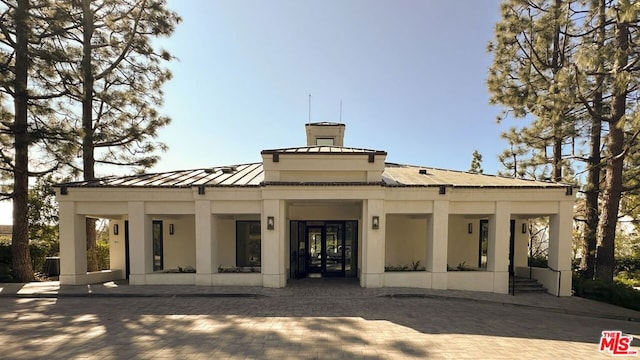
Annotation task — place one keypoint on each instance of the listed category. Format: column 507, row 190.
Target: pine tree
column 117, row 78
column 622, row 87
column 596, row 109
column 99, row 55
column 476, row 163
column 26, row 27
column 570, row 68
column 531, row 68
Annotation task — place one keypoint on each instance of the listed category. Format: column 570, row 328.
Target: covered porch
column 459, row 244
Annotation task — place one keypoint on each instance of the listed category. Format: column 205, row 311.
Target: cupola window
column 324, row 141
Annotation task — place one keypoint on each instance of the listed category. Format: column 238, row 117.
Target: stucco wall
column 406, row 240
column 521, row 245
column 225, row 233
column 332, row 211
column 117, row 246
column 180, row 248
column 323, row 167
column 462, row 247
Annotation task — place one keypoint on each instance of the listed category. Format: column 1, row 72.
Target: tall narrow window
column 483, row 245
column 350, row 242
column 248, row 243
column 158, row 255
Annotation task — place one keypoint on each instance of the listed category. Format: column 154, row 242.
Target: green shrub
column 5, row 261
column 538, row 261
column 616, row 293
column 627, row 264
column 414, row 266
column 38, row 251
column 628, row 278
column 102, row 248
column 396, row 268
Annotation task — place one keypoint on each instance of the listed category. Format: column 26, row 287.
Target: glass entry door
column 323, row 248
column 315, row 263
column 326, row 255
column 334, row 249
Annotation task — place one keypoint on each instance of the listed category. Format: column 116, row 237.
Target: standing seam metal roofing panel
column 238, row 175
column 165, row 179
column 258, row 176
column 205, row 177
column 185, row 177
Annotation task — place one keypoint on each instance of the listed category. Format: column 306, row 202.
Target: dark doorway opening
column 323, row 249
column 512, row 247
column 127, row 260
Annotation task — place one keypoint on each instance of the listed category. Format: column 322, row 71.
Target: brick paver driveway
column 281, row 327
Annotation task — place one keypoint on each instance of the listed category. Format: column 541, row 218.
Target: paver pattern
column 310, row 322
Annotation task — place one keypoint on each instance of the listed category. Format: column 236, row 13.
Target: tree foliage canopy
column 79, row 79
column 571, row 69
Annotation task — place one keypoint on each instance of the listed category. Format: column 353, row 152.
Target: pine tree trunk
column 588, row 261
column 88, row 160
column 557, row 158
column 556, row 66
column 21, row 259
column 592, row 191
column 611, row 201
column 615, row 160
column 92, row 249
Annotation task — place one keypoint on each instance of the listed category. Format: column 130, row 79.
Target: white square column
column 73, row 245
column 560, row 226
column 206, row 246
column 273, row 244
column 498, row 251
column 373, row 246
column 437, row 244
column 140, row 244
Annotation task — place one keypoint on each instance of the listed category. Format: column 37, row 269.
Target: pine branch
column 127, row 47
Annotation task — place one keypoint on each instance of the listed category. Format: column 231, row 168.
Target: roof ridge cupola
column 325, row 134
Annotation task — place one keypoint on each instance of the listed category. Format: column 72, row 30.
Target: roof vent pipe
column 422, row 171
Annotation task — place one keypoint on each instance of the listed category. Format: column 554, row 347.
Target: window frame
column 254, row 229
column 320, row 141
column 158, row 244
column 483, row 237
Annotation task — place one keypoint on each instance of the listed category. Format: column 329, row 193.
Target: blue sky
column 410, row 74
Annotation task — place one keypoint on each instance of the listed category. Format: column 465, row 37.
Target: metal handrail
column 512, row 279
column 559, row 272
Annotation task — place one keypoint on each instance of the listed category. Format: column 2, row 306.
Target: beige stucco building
column 317, row 211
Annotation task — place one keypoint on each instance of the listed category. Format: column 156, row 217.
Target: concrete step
column 525, row 285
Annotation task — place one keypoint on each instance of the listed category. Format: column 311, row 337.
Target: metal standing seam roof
column 252, row 175
column 399, row 175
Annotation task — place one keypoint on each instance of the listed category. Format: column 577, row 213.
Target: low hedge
column 627, row 264
column 38, row 251
column 616, row 293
